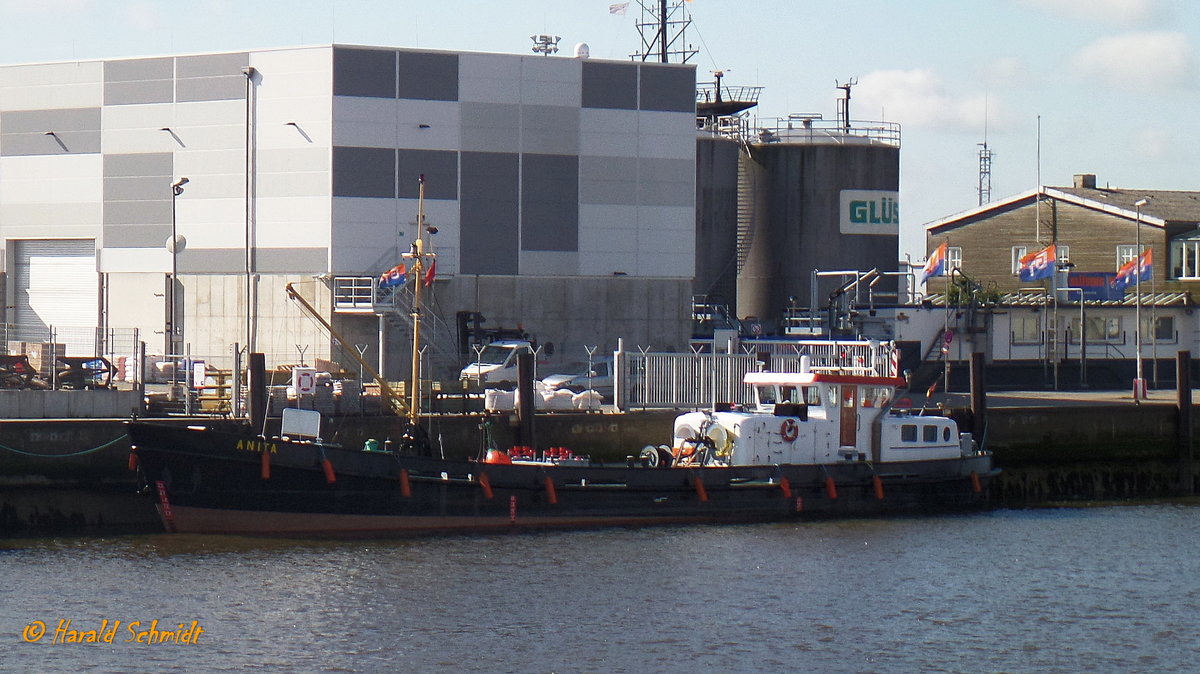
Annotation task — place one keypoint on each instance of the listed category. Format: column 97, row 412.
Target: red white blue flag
column 393, row 277
column 1039, row 265
column 1135, row 271
column 936, row 264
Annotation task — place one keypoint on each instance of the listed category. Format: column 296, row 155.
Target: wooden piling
column 1183, row 396
column 978, row 399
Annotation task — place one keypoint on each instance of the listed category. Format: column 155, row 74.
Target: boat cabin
column 820, row 417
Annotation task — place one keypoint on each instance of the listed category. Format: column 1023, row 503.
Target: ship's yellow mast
column 417, row 254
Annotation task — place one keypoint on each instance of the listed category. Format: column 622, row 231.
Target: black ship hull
column 214, row 482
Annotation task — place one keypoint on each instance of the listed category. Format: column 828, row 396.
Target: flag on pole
column 430, row 273
column 1039, row 265
column 618, row 8
column 936, row 264
column 393, row 277
column 1136, row 270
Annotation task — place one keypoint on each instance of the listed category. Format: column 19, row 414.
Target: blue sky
column 1116, row 83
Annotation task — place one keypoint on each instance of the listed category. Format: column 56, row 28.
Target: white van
column 497, row 363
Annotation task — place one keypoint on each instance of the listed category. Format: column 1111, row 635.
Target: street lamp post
column 173, row 245
column 1139, row 382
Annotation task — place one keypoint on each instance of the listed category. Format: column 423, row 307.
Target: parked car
column 575, row 377
column 497, row 364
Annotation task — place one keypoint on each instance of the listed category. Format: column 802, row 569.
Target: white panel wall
column 364, row 122
column 666, row 242
column 442, row 118
column 293, row 222
column 128, row 260
column 52, row 85
column 51, row 196
column 669, row 135
column 610, row 133
column 551, row 81
column 486, row 79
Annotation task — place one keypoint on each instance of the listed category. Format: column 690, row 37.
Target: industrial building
column 562, row 191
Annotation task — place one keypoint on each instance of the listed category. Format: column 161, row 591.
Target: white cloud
column 1140, row 61
column 43, row 7
column 919, row 98
column 1153, row 143
column 1111, row 11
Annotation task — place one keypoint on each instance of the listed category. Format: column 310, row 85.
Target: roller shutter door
column 57, row 285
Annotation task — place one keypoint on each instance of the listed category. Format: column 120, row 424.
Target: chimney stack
column 1085, row 181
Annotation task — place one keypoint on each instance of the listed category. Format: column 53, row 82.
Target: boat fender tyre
column 665, row 457
column 649, row 456
column 789, row 430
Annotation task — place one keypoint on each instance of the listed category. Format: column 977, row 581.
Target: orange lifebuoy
column 902, row 403
column 789, row 430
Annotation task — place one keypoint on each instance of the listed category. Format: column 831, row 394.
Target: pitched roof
column 1162, row 205
column 1170, row 205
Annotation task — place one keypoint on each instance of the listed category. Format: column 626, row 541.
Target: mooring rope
column 81, row 452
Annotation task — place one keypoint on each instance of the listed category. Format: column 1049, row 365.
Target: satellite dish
column 176, row 243
column 582, row 50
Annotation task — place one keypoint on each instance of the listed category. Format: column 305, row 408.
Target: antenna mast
column 985, row 173
column 663, row 26
column 844, row 102
column 985, row 163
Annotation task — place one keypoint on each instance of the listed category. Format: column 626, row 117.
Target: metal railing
column 812, row 129
column 704, row 378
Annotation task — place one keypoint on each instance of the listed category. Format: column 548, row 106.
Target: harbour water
column 1109, row 589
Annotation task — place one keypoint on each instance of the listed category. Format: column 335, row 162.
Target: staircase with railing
column 441, row 359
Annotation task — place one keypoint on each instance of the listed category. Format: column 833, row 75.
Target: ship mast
column 417, row 253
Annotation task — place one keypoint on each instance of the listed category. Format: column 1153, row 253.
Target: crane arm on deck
column 385, row 390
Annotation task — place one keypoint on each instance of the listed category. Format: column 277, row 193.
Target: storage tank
column 817, row 195
column 716, row 220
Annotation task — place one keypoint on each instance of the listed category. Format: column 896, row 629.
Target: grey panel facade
column 364, row 72
column 608, row 180
column 212, row 65
column 610, row 85
column 290, row 260
column 212, row 261
column 440, row 168
column 27, row 132
column 488, row 213
column 668, row 89
column 364, row 172
column 214, row 77
column 549, row 202
column 211, row 89
column 138, row 236
column 431, row 77
column 139, row 81
column 137, row 199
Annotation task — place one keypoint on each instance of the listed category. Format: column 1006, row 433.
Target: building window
column 1064, row 253
column 1158, row 329
column 1185, row 258
column 1018, row 252
column 1026, row 330
column 1127, row 254
column 953, row 259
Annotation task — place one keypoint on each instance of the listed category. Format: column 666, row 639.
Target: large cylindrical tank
column 716, row 219
column 829, row 204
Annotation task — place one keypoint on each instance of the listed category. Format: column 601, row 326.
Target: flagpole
column 1139, row 383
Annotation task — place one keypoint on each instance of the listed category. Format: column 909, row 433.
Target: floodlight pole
column 1139, row 382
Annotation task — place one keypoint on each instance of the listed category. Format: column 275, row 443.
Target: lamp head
column 1141, row 202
